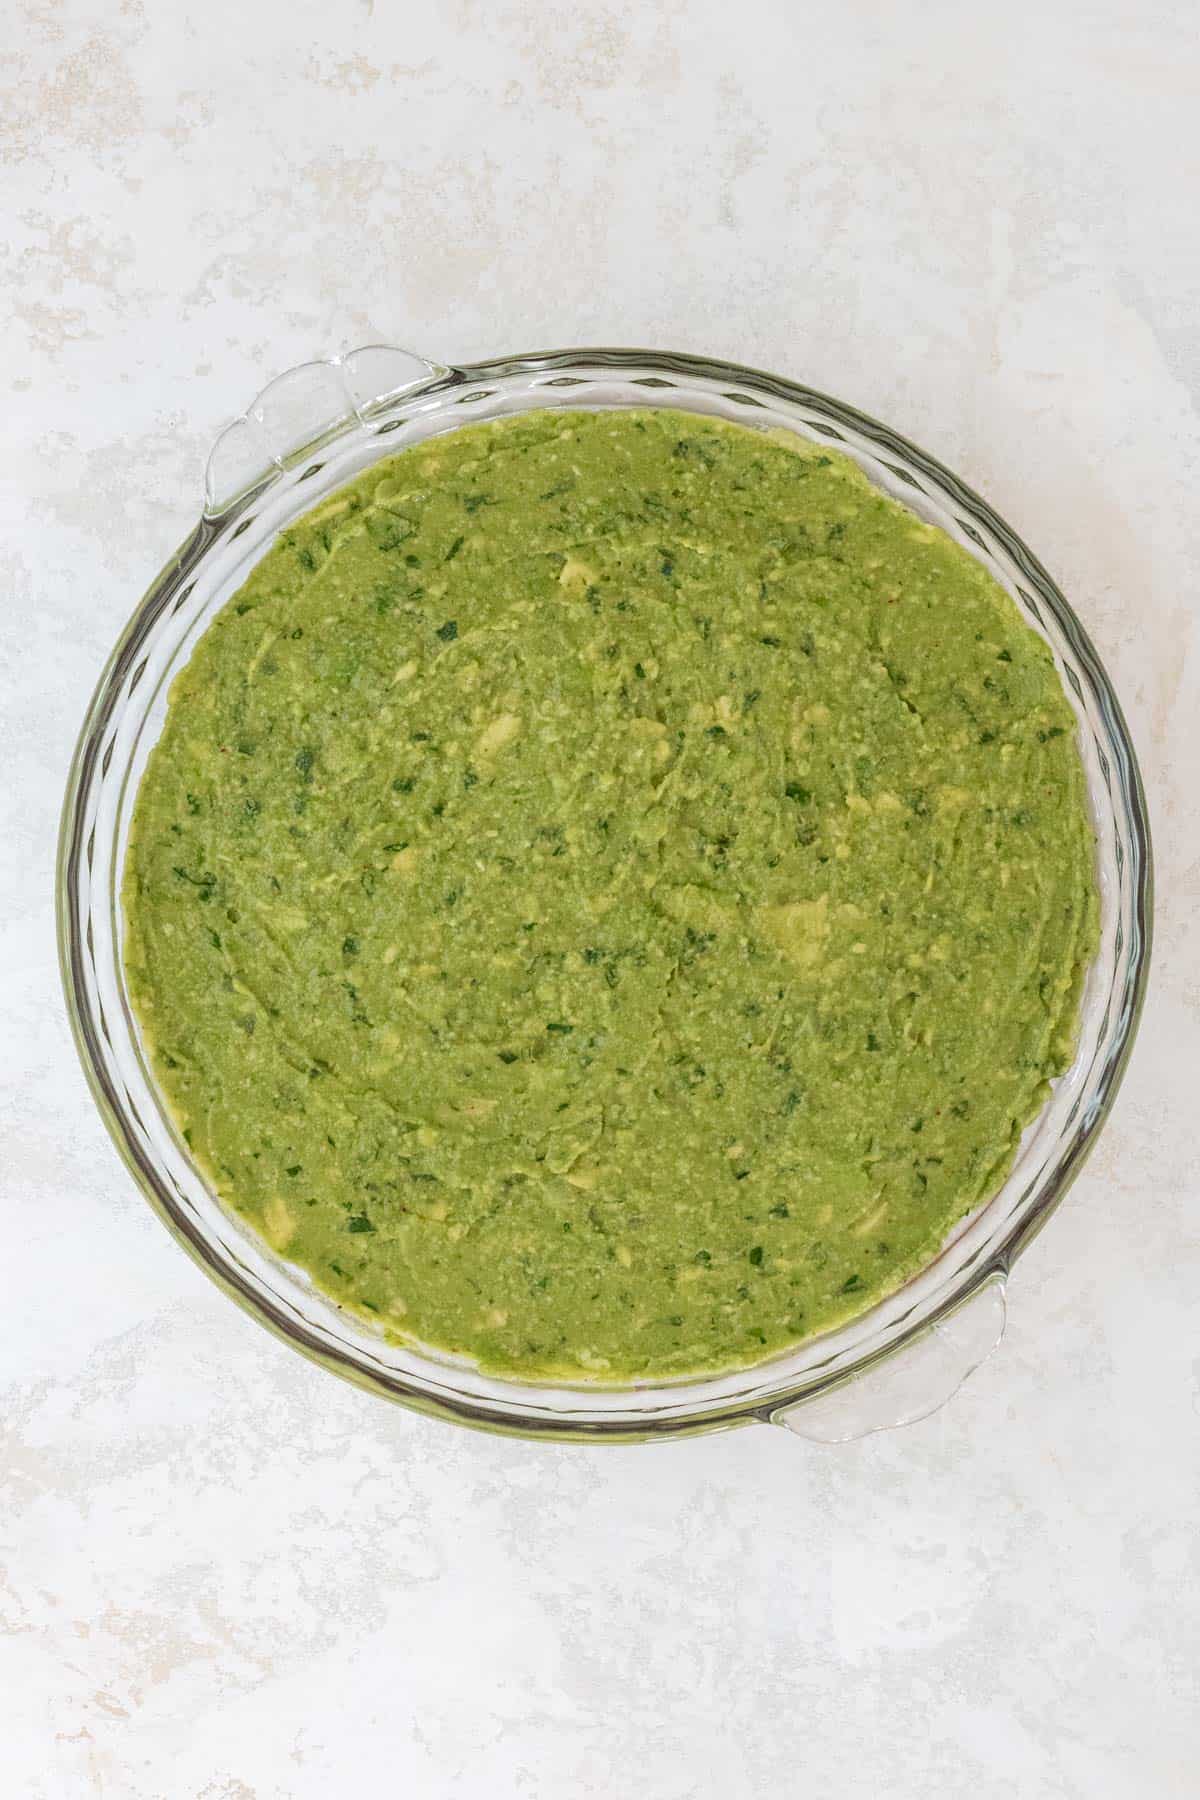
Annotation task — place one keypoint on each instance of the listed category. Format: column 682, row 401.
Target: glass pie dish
column 310, row 431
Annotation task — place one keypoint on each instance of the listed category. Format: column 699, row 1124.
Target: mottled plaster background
column 225, row 1575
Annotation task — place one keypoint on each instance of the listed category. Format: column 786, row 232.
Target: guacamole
column 609, row 893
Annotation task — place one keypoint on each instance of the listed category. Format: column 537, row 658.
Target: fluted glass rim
column 443, row 397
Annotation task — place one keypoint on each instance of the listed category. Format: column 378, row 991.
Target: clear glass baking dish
column 307, row 433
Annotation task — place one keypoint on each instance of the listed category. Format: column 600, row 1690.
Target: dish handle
column 303, row 407
column 910, row 1385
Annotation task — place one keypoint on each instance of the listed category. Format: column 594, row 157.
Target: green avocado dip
column 609, row 893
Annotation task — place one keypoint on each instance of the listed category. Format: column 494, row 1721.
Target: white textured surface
column 227, row 1576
